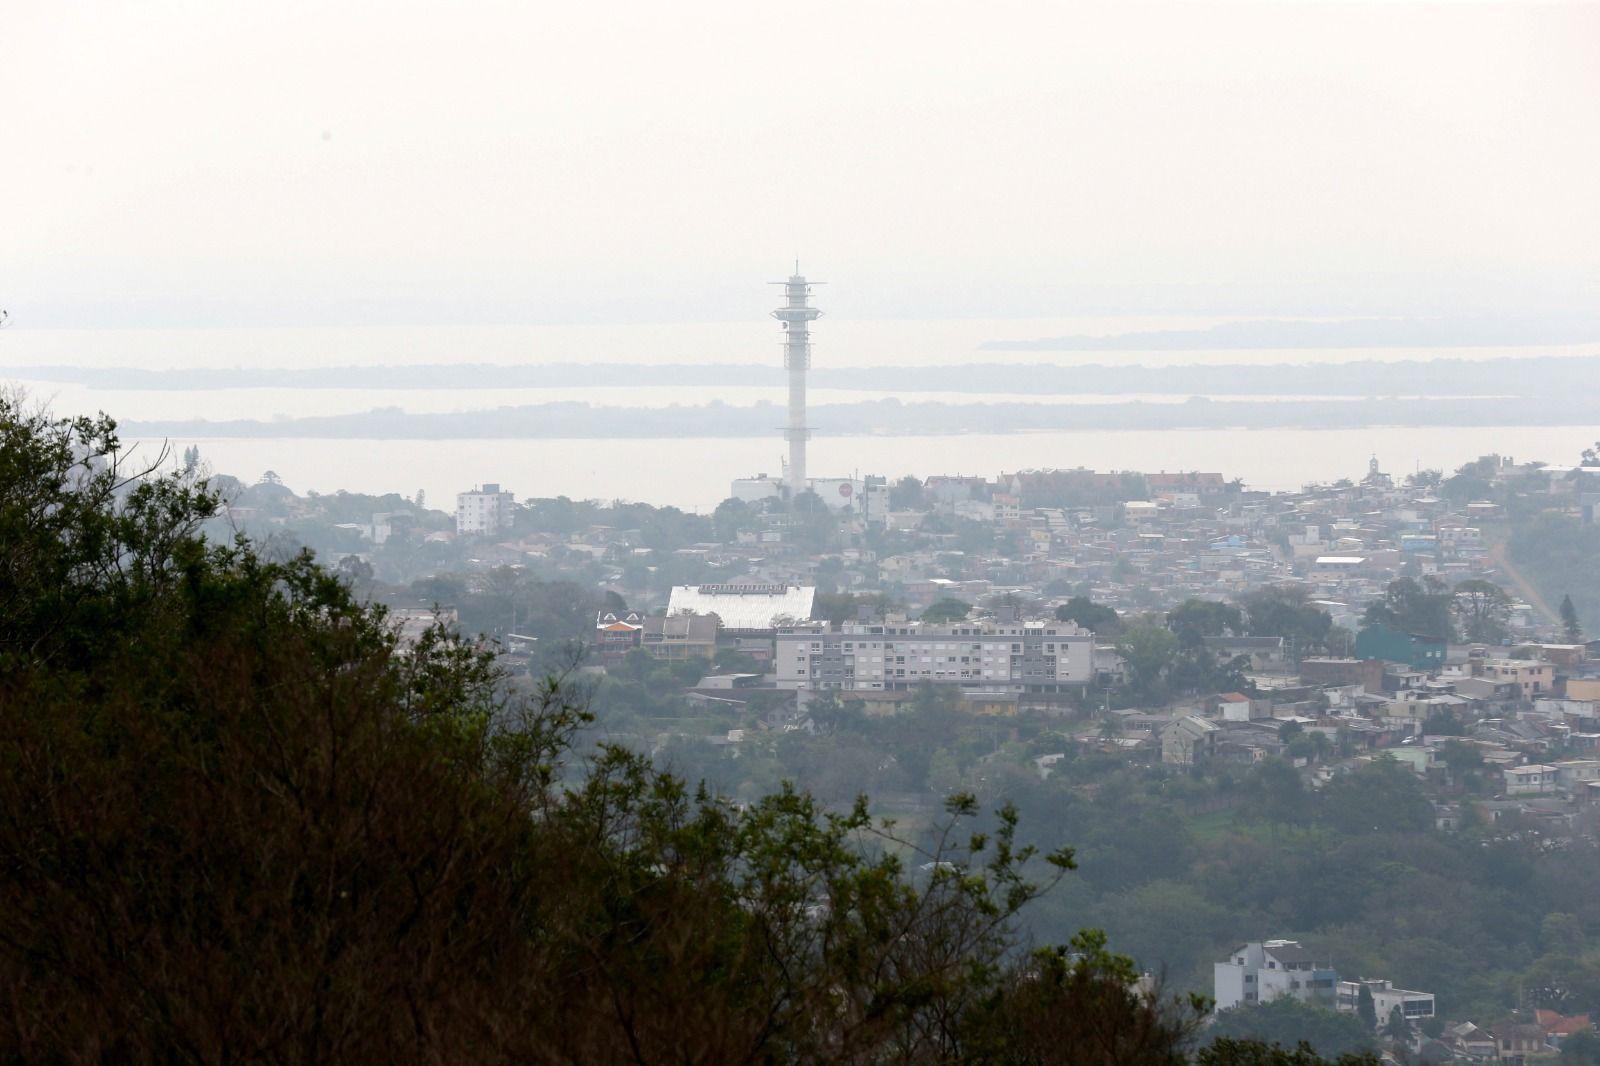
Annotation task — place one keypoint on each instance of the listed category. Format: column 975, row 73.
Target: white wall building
column 839, row 493
column 1532, row 780
column 1385, row 998
column 1264, row 970
column 483, row 511
column 1035, row 656
column 752, row 489
column 745, row 608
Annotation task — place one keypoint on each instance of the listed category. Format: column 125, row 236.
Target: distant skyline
column 244, row 165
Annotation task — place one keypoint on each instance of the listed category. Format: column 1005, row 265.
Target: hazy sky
column 240, row 163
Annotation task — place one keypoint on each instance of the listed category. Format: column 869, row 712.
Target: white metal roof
column 745, row 606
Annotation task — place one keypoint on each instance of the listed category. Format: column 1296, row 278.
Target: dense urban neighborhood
column 1238, row 689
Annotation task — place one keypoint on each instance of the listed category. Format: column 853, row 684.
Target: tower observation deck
column 797, row 314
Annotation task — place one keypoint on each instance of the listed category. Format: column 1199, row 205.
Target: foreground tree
column 240, row 821
column 1288, row 1022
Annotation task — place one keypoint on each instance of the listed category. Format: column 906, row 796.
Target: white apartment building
column 1385, row 998
column 1263, row 970
column 1022, row 656
column 484, row 510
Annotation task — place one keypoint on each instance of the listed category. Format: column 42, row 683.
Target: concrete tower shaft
column 797, row 314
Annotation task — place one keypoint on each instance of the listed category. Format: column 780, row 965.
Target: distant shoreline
column 1547, row 376
column 1338, row 333
column 885, row 418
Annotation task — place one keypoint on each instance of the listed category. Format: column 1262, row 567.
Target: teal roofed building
column 1416, row 650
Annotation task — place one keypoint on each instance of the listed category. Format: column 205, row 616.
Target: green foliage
column 1442, row 723
column 1097, row 618
column 732, row 517
column 1412, row 606
column 1149, row 652
column 947, row 610
column 1230, row 1051
column 1381, row 796
column 1581, row 1049
column 1285, row 611
column 1194, row 620
column 846, row 606
column 1366, row 1009
column 1481, row 607
column 1288, row 1022
column 1397, row 1028
column 1556, row 553
column 1571, row 626
column 906, row 495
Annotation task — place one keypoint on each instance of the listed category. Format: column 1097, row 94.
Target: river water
column 694, row 472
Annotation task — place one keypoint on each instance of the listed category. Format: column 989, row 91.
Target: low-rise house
column 1532, row 780
column 1557, row 1026
column 1470, row 1042
column 1515, row 1042
column 1572, row 774
column 1237, row 707
column 680, row 637
column 1189, row 741
column 615, row 634
column 1266, row 654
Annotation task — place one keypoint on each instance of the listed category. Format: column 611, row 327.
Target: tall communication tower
column 797, row 314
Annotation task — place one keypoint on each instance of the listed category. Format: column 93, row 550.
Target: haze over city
column 376, row 164
column 843, row 533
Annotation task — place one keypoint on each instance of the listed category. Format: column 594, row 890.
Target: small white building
column 1385, row 998
column 1531, row 780
column 484, row 511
